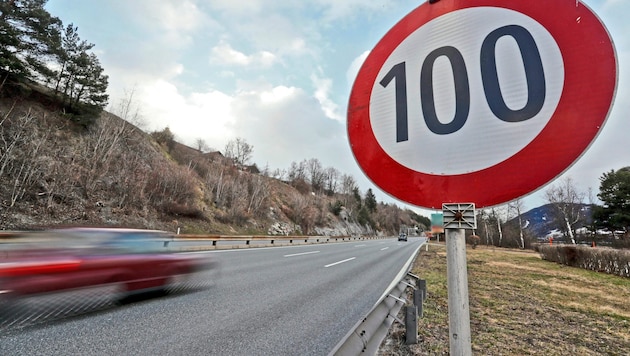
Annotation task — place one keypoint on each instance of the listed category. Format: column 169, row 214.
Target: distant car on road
column 133, row 261
column 402, row 237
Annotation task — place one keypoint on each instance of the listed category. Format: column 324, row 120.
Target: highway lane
column 297, row 300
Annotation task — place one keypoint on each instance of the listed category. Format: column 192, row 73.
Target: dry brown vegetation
column 522, row 305
column 55, row 172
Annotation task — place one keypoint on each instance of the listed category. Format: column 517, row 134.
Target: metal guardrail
column 273, row 239
column 210, row 242
column 13, row 234
column 368, row 334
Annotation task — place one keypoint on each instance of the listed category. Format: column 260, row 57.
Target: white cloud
column 177, row 15
column 200, row 115
column 237, row 7
column 322, row 94
column 278, row 94
column 224, row 54
column 283, row 123
column 336, row 9
column 176, row 19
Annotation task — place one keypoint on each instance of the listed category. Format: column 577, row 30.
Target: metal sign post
column 458, row 218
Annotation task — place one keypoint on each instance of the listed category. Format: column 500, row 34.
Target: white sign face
column 477, row 139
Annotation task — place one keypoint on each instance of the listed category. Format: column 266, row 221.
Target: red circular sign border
column 581, row 46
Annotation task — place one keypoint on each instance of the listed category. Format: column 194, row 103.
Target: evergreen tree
column 35, row 46
column 73, row 59
column 90, row 82
column 370, row 201
column 28, row 36
column 10, row 44
column 357, row 197
column 614, row 192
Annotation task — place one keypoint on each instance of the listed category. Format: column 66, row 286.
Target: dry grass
column 522, row 305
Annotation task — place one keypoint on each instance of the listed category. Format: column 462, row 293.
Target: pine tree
column 370, row 201
column 12, row 46
column 28, row 35
column 34, row 46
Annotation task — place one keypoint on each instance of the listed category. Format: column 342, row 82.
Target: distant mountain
column 540, row 221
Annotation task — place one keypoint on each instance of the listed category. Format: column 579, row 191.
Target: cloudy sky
column 278, row 73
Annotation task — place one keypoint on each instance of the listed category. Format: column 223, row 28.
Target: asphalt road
column 299, row 300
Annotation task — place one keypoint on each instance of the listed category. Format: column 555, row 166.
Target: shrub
column 335, row 207
column 182, row 210
column 606, row 260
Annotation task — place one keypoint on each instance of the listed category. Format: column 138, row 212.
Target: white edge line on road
column 401, row 273
column 336, row 263
column 359, row 245
column 302, row 253
column 384, row 248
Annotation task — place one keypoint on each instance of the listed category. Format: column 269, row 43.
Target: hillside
column 56, row 172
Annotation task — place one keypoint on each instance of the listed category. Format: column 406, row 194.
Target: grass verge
column 522, row 305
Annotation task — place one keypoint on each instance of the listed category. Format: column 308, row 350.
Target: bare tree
column 29, row 167
column 567, row 203
column 217, row 184
column 239, row 151
column 258, row 193
column 22, row 142
column 500, row 215
column 332, row 180
column 11, row 135
column 279, row 174
column 128, row 110
column 297, row 171
column 516, row 207
column 99, row 150
column 484, row 216
column 316, row 174
column 348, row 185
column 302, row 211
column 201, row 145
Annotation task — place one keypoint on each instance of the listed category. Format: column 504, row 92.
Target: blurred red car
column 66, row 259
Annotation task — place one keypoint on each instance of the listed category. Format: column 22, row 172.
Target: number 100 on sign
column 469, row 96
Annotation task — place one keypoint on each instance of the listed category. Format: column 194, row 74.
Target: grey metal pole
column 458, row 306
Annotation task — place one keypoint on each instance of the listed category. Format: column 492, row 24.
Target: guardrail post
column 422, row 286
column 417, row 301
column 411, row 324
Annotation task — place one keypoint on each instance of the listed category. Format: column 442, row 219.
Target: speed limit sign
column 481, row 101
